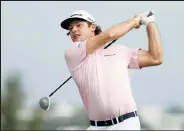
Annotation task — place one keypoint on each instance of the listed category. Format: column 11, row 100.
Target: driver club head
column 44, row 103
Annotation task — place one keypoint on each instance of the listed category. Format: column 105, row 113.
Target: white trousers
column 132, row 123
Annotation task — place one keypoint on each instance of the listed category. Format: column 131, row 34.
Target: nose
column 74, row 29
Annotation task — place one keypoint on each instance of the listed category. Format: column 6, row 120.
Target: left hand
column 145, row 19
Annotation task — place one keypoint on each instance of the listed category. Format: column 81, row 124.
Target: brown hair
column 98, row 30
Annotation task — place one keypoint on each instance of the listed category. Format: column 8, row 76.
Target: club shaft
column 60, row 86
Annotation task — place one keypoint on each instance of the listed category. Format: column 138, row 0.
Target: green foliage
column 12, row 102
column 37, row 120
column 174, row 108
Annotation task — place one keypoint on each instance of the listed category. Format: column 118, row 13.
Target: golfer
column 102, row 74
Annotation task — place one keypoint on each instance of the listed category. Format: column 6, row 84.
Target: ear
column 93, row 27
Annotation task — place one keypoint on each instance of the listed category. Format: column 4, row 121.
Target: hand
column 145, row 19
column 137, row 19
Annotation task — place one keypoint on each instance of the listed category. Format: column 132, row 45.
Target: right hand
column 137, row 19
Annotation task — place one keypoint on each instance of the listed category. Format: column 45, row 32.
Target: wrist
column 151, row 25
column 151, row 19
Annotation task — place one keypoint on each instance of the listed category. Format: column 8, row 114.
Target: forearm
column 121, row 29
column 155, row 48
column 112, row 33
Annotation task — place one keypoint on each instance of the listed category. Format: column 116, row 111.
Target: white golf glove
column 145, row 19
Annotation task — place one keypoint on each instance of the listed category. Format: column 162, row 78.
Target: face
column 80, row 30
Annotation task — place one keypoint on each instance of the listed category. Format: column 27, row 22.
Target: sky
column 33, row 43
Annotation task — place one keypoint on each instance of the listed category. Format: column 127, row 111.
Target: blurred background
column 32, row 64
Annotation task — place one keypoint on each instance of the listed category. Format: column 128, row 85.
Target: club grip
column 150, row 13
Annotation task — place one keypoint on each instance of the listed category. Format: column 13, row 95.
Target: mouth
column 77, row 36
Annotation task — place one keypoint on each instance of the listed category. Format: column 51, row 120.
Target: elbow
column 111, row 35
column 158, row 61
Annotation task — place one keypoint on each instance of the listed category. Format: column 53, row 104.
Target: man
column 102, row 74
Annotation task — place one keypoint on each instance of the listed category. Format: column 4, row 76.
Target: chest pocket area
column 113, row 59
column 110, row 56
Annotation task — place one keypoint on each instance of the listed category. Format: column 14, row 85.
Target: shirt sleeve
column 133, row 58
column 75, row 55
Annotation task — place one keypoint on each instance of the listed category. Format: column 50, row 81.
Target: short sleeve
column 75, row 55
column 133, row 58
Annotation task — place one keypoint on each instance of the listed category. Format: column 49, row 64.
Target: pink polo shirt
column 103, row 79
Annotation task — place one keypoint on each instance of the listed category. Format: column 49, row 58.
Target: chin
column 77, row 40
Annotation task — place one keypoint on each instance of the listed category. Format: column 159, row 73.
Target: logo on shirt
column 110, row 55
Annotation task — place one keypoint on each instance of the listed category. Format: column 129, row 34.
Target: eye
column 79, row 25
column 70, row 28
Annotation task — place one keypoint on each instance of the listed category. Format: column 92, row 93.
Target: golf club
column 45, row 101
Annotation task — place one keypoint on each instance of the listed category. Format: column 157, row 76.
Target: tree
column 174, row 108
column 37, row 120
column 12, row 100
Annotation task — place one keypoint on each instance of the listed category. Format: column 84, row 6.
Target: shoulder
column 76, row 45
column 72, row 47
column 75, row 48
